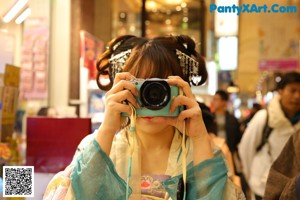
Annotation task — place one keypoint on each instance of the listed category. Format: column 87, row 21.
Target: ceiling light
column 168, row 21
column 151, row 5
column 278, row 79
column 14, row 10
column 178, row 8
column 23, row 16
column 132, row 28
column 183, row 4
column 185, row 19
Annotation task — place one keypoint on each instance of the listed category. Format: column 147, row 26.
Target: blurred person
column 210, row 125
column 258, row 151
column 284, row 177
column 151, row 157
column 227, row 124
column 47, row 112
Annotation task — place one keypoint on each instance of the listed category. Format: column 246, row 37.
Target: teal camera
column 155, row 97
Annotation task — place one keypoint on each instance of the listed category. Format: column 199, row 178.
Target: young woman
column 164, row 156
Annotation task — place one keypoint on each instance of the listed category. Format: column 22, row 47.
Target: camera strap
column 132, row 147
column 183, row 161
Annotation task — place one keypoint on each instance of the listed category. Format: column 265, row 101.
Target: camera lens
column 155, row 94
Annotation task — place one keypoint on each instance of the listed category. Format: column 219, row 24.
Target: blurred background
column 55, row 45
column 49, row 49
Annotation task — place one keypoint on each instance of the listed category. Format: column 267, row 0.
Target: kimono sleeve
column 207, row 180
column 59, row 187
column 94, row 176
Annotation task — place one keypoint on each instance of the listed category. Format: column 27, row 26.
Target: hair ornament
column 189, row 66
column 117, row 62
column 116, row 45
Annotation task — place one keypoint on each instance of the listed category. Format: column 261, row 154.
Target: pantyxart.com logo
column 252, row 8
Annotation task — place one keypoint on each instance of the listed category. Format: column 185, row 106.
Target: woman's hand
column 122, row 90
column 191, row 115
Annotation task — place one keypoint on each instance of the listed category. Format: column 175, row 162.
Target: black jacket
column 232, row 129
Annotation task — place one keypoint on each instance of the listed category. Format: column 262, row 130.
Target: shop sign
column 273, row 65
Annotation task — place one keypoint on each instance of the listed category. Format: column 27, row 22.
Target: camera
column 155, row 97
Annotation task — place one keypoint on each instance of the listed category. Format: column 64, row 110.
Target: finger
column 123, row 108
column 123, row 76
column 124, row 85
column 188, row 114
column 183, row 101
column 124, row 95
column 178, row 81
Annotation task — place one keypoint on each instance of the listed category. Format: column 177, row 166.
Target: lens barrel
column 155, row 94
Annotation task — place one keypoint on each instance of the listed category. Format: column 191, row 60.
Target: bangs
column 147, row 68
column 152, row 61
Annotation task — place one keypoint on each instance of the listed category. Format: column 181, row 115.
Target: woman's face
column 290, row 97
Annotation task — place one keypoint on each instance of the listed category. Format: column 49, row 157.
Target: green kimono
column 97, row 176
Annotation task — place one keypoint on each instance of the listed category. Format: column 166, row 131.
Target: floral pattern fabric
column 151, row 186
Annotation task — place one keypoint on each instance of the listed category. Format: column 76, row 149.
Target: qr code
column 18, row 181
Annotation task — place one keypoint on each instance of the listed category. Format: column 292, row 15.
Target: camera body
column 155, row 96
